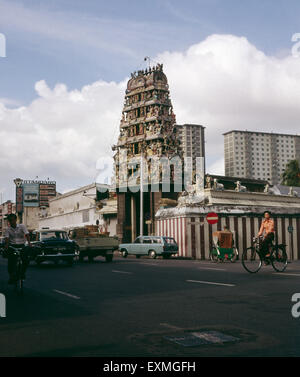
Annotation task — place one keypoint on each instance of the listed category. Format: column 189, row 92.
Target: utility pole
column 2, row 215
column 141, row 195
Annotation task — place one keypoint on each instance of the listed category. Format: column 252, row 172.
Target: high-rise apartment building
column 259, row 155
column 191, row 137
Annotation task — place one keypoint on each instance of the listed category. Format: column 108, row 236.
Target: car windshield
column 54, row 235
column 169, row 240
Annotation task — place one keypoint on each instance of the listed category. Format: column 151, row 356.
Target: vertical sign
column 19, row 199
column 46, row 192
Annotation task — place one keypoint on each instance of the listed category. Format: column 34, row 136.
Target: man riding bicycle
column 267, row 229
column 15, row 236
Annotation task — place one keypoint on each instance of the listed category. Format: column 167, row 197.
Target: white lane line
column 150, row 264
column 204, row 264
column 66, row 294
column 210, row 282
column 121, row 272
column 170, row 326
column 285, row 273
column 211, row 268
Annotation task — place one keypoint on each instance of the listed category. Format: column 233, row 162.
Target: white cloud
column 226, row 83
column 223, row 83
column 216, row 167
column 9, row 102
column 61, row 134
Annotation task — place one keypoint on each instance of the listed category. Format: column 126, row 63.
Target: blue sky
column 228, row 62
column 78, row 42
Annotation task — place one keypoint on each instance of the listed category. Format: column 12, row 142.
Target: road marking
column 170, row 326
column 121, row 272
column 66, row 294
column 150, row 264
column 211, row 268
column 285, row 273
column 210, row 282
column 204, row 264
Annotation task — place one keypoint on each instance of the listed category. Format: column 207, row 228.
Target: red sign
column 212, row 218
column 19, row 199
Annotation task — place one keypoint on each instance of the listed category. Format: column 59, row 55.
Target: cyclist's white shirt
column 16, row 235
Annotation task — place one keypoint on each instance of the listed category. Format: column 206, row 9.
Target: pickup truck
column 93, row 245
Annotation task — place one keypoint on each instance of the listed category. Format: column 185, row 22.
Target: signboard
column 46, row 192
column 212, row 218
column 34, row 193
column 19, row 199
column 31, row 195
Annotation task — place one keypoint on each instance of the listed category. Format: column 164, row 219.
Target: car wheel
column 152, row 254
column 124, row 253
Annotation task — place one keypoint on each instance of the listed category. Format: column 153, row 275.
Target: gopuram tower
column 147, row 132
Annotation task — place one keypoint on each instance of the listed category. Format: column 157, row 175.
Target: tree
column 291, row 175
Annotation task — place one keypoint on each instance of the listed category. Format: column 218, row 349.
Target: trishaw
column 223, row 248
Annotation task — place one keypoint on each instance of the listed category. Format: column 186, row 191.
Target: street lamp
column 143, row 147
column 2, row 215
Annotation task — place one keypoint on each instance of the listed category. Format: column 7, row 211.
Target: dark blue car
column 53, row 245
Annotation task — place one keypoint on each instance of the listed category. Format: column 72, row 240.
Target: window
column 85, row 216
column 54, row 235
column 156, row 240
column 147, row 240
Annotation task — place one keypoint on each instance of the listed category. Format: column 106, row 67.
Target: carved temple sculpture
column 147, row 128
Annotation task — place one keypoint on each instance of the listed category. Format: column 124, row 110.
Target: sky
column 230, row 65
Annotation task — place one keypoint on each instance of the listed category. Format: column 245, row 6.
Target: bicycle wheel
column 234, row 255
column 251, row 260
column 19, row 287
column 214, row 255
column 19, row 282
column 279, row 259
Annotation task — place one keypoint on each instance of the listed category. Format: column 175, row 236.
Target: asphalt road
column 130, row 306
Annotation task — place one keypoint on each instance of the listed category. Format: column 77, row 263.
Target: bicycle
column 253, row 257
column 19, row 283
